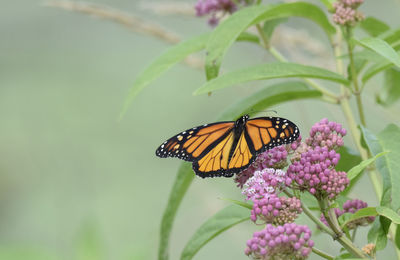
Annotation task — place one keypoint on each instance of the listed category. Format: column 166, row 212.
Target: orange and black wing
column 192, row 144
column 265, row 133
column 231, row 155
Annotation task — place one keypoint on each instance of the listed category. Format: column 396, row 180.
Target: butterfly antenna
column 262, row 111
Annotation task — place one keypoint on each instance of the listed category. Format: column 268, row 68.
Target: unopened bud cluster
column 352, row 206
column 276, row 210
column 216, row 8
column 313, row 168
column 290, row 241
column 346, row 12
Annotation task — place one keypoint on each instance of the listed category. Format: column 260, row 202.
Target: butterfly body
column 226, row 148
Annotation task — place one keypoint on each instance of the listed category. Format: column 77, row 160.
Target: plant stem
column 345, row 105
column 322, row 254
column 354, row 76
column 327, row 95
column 343, row 240
column 330, row 216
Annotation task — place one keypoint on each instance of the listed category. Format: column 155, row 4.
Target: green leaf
column 270, row 25
column 248, row 37
column 362, row 213
column 163, row 62
column 374, row 26
column 378, row 232
column 183, row 180
column 270, row 96
column 328, row 4
column 388, row 213
column 225, row 34
column 382, row 48
column 392, row 36
column 397, row 237
column 390, row 93
column 223, row 220
column 309, row 200
column 388, row 165
column 375, row 69
column 356, row 170
column 348, row 158
column 269, row 71
column 239, row 203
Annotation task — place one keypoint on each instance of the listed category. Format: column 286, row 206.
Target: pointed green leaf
column 309, row 200
column 388, row 165
column 389, row 213
column 225, row 34
column 382, row 48
column 270, row 25
column 220, row 222
column 183, row 180
column 270, row 96
column 375, row 69
column 397, row 237
column 374, row 26
column 362, row 213
column 248, row 37
column 378, row 232
column 390, row 92
column 269, row 71
column 392, row 36
column 356, row 170
column 348, row 158
column 239, row 203
column 328, row 4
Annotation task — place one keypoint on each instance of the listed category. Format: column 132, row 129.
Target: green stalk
column 322, row 254
column 354, row 76
column 343, row 240
column 331, row 219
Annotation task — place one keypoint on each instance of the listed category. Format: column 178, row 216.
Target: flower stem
column 354, row 76
column 322, row 254
column 330, row 216
column 345, row 105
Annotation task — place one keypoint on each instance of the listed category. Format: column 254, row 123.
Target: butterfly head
column 242, row 120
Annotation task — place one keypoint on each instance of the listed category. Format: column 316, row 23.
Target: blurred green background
column 77, row 184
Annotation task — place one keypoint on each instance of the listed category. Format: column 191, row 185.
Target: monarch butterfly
column 226, row 148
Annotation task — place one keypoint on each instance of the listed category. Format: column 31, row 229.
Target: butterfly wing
column 215, row 162
column 192, row 144
column 267, row 132
column 231, row 155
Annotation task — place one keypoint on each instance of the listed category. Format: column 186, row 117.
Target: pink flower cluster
column 346, row 12
column 314, row 167
column 327, row 134
column 276, row 210
column 265, row 183
column 290, row 241
column 215, row 8
column 274, row 158
column 352, row 206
